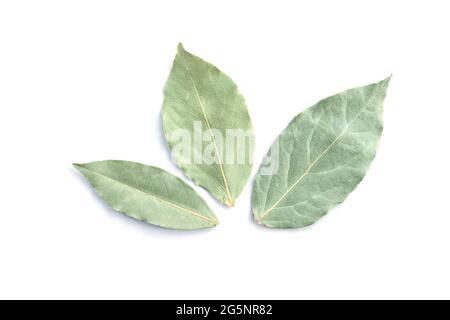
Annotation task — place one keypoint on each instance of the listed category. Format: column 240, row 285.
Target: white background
column 82, row 81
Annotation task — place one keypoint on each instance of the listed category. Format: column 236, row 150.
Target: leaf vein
column 230, row 200
column 196, row 214
column 319, row 157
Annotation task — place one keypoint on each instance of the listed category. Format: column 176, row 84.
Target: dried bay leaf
column 201, row 105
column 148, row 194
column 320, row 158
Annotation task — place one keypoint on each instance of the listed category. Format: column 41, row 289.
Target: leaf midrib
column 222, row 171
column 196, row 214
column 264, row 215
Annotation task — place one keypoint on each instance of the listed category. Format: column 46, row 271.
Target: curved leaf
column 201, row 106
column 320, row 158
column 149, row 194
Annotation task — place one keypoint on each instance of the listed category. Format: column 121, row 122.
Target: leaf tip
column 77, row 165
column 180, row 47
column 387, row 80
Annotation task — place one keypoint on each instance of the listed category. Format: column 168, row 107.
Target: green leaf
column 149, row 194
column 319, row 158
column 201, row 106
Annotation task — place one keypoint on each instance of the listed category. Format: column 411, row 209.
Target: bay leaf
column 319, row 158
column 148, row 194
column 206, row 117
